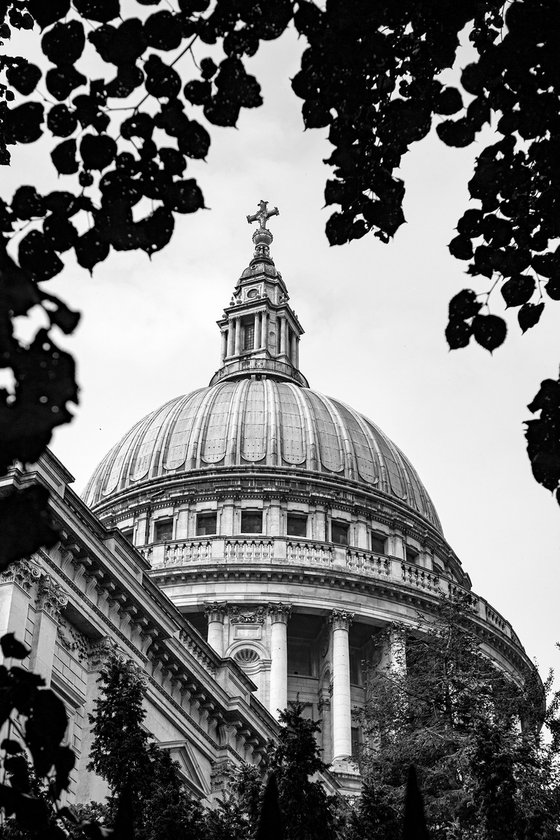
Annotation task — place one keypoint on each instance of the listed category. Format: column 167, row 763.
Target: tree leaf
column 23, row 77
column 91, row 249
column 489, row 331
column 162, row 31
column 61, row 122
column 47, row 13
column 529, row 315
column 64, row 42
column 36, row 256
column 101, row 11
column 184, row 196
column 25, row 516
column 62, row 80
column 458, row 333
column 13, row 649
column 518, row 289
column 23, row 123
column 464, row 305
column 97, row 151
column 64, row 157
column 27, row 203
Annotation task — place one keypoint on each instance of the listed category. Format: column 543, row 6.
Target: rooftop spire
column 262, row 237
column 260, row 330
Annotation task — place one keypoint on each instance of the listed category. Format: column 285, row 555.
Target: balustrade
column 309, row 553
column 419, row 576
column 312, row 554
column 246, row 550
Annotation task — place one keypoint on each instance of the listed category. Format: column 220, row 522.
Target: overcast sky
column 374, row 317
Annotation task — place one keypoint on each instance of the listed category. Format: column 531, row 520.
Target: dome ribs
column 144, row 460
column 310, row 434
column 197, row 434
column 292, row 427
column 262, row 425
column 274, row 457
column 182, row 429
column 217, row 430
column 234, row 422
column 166, row 431
column 331, row 453
column 253, row 426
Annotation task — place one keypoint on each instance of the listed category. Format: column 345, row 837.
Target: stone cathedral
column 245, row 544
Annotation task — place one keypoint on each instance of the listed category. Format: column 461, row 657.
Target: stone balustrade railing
column 312, row 554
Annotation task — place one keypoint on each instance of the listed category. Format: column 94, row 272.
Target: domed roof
column 259, row 423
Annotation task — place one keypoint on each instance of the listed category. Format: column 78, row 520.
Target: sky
column 374, row 317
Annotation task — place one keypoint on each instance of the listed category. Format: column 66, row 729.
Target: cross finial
column 262, row 237
column 263, row 215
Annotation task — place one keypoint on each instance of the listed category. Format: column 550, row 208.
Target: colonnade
column 288, row 340
column 278, row 617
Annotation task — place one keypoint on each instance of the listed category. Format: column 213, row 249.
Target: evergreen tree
column 119, row 752
column 484, row 769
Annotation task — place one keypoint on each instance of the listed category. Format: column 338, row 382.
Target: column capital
column 341, row 619
column 51, row 597
column 279, row 613
column 216, row 611
column 23, row 572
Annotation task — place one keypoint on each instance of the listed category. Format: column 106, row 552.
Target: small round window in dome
column 252, row 293
column 246, row 657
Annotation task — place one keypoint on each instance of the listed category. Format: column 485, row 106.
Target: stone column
column 230, row 336
column 237, row 350
column 296, row 352
column 264, row 329
column 257, row 333
column 224, row 343
column 279, row 614
column 215, row 614
column 282, row 328
column 341, row 706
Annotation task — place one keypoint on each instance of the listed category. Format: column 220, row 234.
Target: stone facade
column 285, row 525
column 247, row 546
column 92, row 594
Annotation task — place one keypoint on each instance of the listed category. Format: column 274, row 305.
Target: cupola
column 260, row 331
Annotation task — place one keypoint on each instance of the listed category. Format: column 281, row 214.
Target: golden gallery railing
column 312, row 554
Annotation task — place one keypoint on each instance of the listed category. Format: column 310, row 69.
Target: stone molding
column 341, row 619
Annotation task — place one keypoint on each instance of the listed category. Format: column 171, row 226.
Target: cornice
column 344, row 580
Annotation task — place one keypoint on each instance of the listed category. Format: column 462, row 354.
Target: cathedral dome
column 262, row 425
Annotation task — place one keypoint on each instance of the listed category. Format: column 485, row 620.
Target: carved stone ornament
column 279, row 613
column 100, row 651
column 255, row 616
column 72, row 640
column 341, row 619
column 51, row 597
column 216, row 611
column 25, row 573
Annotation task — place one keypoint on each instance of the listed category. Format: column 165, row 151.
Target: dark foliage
column 36, row 765
column 473, row 737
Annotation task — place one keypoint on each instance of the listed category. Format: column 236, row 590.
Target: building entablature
column 96, row 581
column 389, row 590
